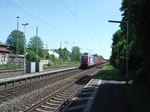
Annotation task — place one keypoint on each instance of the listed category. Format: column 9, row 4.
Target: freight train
column 88, row 61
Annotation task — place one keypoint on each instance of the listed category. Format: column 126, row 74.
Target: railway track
column 55, row 101
column 25, row 98
column 59, row 99
column 27, row 87
column 83, row 102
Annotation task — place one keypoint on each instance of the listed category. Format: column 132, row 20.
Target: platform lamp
column 24, row 61
column 127, row 56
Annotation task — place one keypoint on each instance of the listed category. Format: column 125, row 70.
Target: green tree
column 63, row 53
column 34, row 43
column 12, row 41
column 31, row 56
column 132, row 12
column 47, row 56
column 60, row 53
column 41, row 53
column 118, row 50
column 75, row 55
column 53, row 58
column 137, row 13
column 101, row 57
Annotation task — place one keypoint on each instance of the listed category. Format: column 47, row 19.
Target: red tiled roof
column 1, row 43
column 4, row 51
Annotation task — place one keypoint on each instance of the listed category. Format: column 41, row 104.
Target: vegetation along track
column 57, row 100
column 27, row 87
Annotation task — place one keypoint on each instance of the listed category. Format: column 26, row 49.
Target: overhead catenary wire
column 9, row 4
column 76, row 8
column 74, row 15
column 45, row 22
column 41, row 20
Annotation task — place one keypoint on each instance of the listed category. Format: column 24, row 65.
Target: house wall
column 4, row 58
column 55, row 54
column 45, row 61
column 13, row 60
column 3, row 48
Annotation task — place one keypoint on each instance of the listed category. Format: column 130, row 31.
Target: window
column 3, row 57
column 0, row 57
column 84, row 58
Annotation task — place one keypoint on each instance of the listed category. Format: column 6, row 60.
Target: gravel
column 23, row 101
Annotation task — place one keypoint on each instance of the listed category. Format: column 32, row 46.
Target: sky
column 65, row 23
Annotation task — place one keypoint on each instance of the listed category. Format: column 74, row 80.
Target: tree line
column 136, row 12
column 34, row 53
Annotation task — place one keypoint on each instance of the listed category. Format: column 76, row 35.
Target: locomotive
column 88, row 61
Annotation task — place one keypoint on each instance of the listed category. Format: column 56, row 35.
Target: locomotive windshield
column 84, row 58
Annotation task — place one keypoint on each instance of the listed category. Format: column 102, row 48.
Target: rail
column 12, row 80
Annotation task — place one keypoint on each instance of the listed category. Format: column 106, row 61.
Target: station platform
column 112, row 97
column 7, row 77
column 108, row 96
column 20, row 72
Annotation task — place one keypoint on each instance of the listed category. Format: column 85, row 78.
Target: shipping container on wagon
column 91, row 60
column 97, row 60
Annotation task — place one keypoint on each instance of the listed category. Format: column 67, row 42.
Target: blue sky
column 82, row 23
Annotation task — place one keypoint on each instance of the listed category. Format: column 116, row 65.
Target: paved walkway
column 112, row 97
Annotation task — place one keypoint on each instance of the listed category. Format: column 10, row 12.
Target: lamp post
column 37, row 41
column 127, row 52
column 66, row 52
column 24, row 61
column 17, row 42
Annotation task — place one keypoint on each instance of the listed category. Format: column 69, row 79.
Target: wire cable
column 32, row 15
column 74, row 15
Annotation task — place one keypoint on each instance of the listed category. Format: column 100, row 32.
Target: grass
column 55, row 64
column 108, row 72
column 10, row 66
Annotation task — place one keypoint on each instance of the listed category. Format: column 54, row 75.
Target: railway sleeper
column 59, row 99
column 40, row 110
column 54, row 102
column 46, row 106
column 62, row 96
column 65, row 93
column 47, row 109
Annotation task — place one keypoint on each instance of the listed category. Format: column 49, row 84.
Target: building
column 47, row 61
column 13, row 59
column 51, row 51
column 4, row 53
